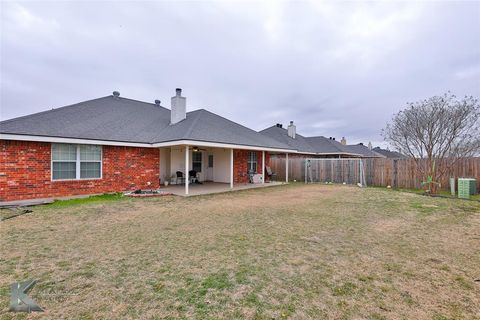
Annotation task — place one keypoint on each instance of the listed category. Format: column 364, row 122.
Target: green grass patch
column 87, row 200
column 346, row 289
column 439, row 316
column 443, row 193
column 463, row 283
column 195, row 292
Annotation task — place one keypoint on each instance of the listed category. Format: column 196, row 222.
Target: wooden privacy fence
column 398, row 173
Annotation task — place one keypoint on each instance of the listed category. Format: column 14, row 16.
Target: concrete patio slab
column 214, row 187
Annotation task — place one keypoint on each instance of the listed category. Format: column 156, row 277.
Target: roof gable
column 203, row 125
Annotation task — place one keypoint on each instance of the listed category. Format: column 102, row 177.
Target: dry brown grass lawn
column 295, row 251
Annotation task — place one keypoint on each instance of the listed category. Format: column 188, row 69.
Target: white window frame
column 210, row 163
column 201, row 160
column 250, row 162
column 77, row 164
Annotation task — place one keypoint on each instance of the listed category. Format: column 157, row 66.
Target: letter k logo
column 19, row 301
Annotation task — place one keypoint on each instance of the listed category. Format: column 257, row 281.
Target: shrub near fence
column 401, row 173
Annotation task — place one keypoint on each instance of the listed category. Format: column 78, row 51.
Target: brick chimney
column 292, row 130
column 179, row 107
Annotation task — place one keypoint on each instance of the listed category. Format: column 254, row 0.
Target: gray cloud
column 336, row 69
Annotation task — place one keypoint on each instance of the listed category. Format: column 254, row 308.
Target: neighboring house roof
column 314, row 145
column 323, row 145
column 389, row 154
column 125, row 120
column 363, row 150
column 300, row 143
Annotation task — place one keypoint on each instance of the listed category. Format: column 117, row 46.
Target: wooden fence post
column 395, row 173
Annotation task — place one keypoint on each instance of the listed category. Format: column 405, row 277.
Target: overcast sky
column 336, row 69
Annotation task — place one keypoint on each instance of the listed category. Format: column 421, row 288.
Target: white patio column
column 286, row 167
column 186, row 170
column 263, row 167
column 231, row 168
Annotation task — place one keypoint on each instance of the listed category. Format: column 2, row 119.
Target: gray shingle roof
column 126, row 120
column 389, row 154
column 325, row 145
column 318, row 145
column 363, row 151
column 300, row 143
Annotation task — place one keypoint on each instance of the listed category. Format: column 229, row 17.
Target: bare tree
column 436, row 132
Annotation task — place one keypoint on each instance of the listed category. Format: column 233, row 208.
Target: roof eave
column 337, row 153
column 52, row 139
column 214, row 144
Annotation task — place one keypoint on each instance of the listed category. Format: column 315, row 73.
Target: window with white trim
column 72, row 161
column 210, row 160
column 90, row 162
column 197, row 161
column 252, row 162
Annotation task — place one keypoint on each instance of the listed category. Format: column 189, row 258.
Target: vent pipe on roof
column 292, row 130
column 370, row 145
column 116, row 94
column 343, row 141
column 179, row 107
column 157, row 102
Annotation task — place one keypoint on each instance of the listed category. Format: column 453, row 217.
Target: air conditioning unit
column 466, row 187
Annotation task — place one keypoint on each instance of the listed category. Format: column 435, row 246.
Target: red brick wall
column 240, row 162
column 25, row 171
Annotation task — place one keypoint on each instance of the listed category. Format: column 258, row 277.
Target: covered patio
column 214, row 187
column 216, row 168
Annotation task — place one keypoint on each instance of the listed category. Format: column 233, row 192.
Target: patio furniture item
column 270, row 173
column 180, row 176
column 256, row 178
column 192, row 177
column 250, row 176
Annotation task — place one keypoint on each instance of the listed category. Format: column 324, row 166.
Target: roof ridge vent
column 116, row 94
column 157, row 102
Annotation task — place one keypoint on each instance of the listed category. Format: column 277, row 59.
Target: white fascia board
column 308, row 153
column 328, row 153
column 219, row 145
column 23, row 137
column 333, row 159
column 342, row 153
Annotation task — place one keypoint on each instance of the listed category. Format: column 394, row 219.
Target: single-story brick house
column 115, row 144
